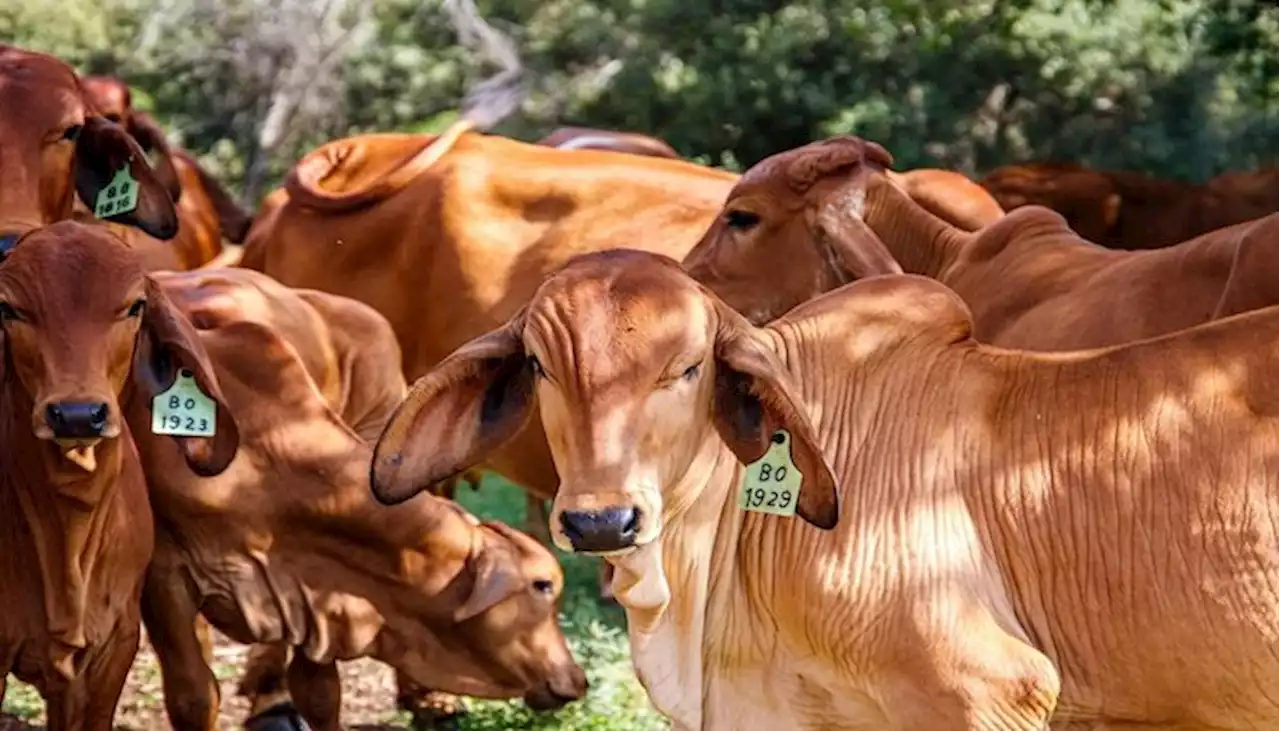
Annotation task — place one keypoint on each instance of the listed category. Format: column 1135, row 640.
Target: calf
column 87, row 340
column 54, row 145
column 811, row 219
column 288, row 548
column 1009, row 540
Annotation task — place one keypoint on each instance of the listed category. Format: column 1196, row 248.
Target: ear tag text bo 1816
column 771, row 484
column 183, row 410
column 120, row 195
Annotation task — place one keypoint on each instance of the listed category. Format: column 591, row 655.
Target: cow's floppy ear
column 753, row 401
column 852, row 245
column 150, row 137
column 102, row 150
column 495, row 576
column 472, row 403
column 168, row 344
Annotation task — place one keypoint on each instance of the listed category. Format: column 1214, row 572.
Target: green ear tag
column 184, row 410
column 771, row 484
column 120, row 195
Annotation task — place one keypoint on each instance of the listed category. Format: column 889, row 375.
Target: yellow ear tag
column 771, row 484
column 183, row 410
column 120, row 195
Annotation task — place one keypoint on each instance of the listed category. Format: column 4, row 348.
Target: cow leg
column 317, row 692
column 431, row 709
column 89, row 702
column 190, row 691
column 264, row 684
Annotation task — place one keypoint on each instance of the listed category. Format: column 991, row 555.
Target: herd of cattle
column 816, row 418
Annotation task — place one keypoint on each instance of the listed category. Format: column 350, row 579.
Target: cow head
column 636, row 369
column 113, row 100
column 792, row 229
column 54, row 145
column 82, row 327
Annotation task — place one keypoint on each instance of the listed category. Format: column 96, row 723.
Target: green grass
column 597, row 634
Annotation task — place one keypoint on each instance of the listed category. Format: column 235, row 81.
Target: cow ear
column 102, row 151
column 472, row 403
column 167, row 345
column 150, row 137
column 839, row 229
column 494, row 577
column 753, row 402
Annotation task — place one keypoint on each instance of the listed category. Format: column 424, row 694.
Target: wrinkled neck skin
column 920, row 242
column 63, row 510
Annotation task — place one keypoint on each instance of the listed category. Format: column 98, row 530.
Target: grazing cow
column 288, row 547
column 207, row 212
column 351, row 355
column 586, row 138
column 1010, row 537
column 811, row 219
column 1126, row 210
column 87, row 341
column 53, row 146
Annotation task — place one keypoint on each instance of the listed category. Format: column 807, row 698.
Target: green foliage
column 1180, row 88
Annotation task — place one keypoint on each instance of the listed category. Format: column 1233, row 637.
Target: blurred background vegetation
column 1179, row 88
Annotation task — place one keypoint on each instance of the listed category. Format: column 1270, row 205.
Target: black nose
column 611, row 529
column 75, row 419
column 7, row 242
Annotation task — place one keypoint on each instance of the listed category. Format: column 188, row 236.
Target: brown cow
column 351, row 355
column 810, row 219
column 54, row 145
column 207, row 212
column 1014, row 541
column 587, row 138
column 287, row 546
column 88, row 341
column 1126, row 210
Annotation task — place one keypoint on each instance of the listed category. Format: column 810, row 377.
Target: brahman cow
column 53, row 146
column 88, row 342
column 1009, row 537
column 811, row 219
column 447, row 237
column 287, row 547
column 207, row 212
column 1127, row 210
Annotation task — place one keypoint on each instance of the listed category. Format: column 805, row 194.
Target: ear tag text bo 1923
column 183, row 410
column 771, row 484
column 120, row 195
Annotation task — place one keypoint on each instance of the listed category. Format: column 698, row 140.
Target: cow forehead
column 612, row 315
column 110, row 95
column 71, row 263
column 38, row 88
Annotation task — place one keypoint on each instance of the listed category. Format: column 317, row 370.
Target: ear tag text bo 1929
column 183, row 410
column 771, row 484
column 120, row 195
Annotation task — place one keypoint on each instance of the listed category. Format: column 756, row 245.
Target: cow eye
column 691, row 372
column 538, row 372
column 8, row 314
column 113, row 117
column 544, row 586
column 741, row 220
column 137, row 308
column 72, row 133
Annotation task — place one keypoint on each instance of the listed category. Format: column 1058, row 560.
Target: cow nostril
column 53, row 416
column 631, row 526
column 609, row 529
column 98, row 416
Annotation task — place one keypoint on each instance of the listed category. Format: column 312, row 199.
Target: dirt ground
column 368, row 694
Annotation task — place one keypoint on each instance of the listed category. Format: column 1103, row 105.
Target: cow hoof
column 280, row 717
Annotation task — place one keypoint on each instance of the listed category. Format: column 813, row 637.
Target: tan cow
column 808, row 220
column 1128, row 210
column 87, row 340
column 287, row 547
column 207, row 212
column 55, row 146
column 1088, row 537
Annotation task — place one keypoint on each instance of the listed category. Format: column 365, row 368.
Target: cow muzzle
column 562, row 689
column 602, row 531
column 77, row 419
